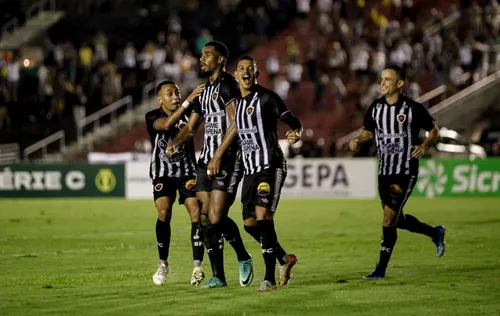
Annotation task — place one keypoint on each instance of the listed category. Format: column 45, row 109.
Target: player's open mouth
column 203, row 67
column 246, row 79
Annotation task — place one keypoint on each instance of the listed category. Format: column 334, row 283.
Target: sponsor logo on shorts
column 158, row 187
column 190, row 184
column 263, row 189
column 221, row 175
column 265, row 200
column 221, row 183
column 395, row 190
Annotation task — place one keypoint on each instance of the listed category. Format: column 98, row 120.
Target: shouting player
column 172, row 174
column 216, row 105
column 257, row 114
column 395, row 121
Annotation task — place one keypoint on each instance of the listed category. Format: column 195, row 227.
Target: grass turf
column 97, row 256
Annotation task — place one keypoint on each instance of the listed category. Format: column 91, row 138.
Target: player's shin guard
column 281, row 254
column 268, row 245
column 197, row 243
column 163, row 233
column 232, row 235
column 412, row 224
column 215, row 246
column 389, row 238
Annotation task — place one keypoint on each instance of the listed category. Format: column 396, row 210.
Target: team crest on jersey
column 395, row 190
column 190, row 184
column 401, row 118
column 250, row 110
column 378, row 106
column 158, row 187
column 263, row 189
column 214, row 96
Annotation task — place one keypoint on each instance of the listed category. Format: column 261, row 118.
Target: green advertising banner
column 65, row 180
column 452, row 177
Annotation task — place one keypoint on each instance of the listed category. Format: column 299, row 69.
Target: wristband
column 186, row 104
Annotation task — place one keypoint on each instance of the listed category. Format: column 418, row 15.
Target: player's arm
column 284, row 114
column 427, row 122
column 185, row 134
column 367, row 132
column 231, row 132
column 166, row 123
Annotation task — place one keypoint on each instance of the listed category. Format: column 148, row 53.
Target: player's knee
column 163, row 214
column 262, row 214
column 203, row 219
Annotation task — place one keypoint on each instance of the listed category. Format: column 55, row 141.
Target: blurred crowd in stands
column 76, row 77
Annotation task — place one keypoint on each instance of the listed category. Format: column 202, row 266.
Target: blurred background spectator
column 322, row 57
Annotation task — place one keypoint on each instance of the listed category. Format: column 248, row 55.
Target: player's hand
column 354, row 144
column 213, row 166
column 170, row 150
column 293, row 136
column 418, row 151
column 196, row 93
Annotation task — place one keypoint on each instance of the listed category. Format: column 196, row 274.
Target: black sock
column 232, row 235
column 163, row 237
column 215, row 244
column 412, row 224
column 390, row 235
column 281, row 254
column 269, row 240
column 197, row 242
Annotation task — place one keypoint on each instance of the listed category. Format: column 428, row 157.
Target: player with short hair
column 216, row 105
column 257, row 114
column 172, row 174
column 395, row 121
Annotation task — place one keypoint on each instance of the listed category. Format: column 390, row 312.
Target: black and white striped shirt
column 181, row 164
column 396, row 128
column 256, row 119
column 211, row 104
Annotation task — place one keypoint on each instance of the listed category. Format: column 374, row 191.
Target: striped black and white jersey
column 397, row 128
column 181, row 164
column 257, row 121
column 211, row 104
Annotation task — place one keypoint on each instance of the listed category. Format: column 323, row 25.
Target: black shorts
column 169, row 186
column 262, row 189
column 395, row 190
column 220, row 181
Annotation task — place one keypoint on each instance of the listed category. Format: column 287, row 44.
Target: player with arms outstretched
column 172, row 174
column 395, row 121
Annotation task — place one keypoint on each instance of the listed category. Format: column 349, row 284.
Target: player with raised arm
column 395, row 121
column 216, row 105
column 257, row 114
column 172, row 174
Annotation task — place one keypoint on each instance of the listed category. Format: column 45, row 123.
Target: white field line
column 81, row 236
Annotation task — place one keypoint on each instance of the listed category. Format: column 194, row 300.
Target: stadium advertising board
column 307, row 178
column 454, row 177
column 331, row 178
column 65, row 180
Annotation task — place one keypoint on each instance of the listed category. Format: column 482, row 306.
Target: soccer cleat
column 266, row 286
column 287, row 268
column 160, row 277
column 246, row 272
column 439, row 240
column 214, row 282
column 377, row 274
column 197, row 276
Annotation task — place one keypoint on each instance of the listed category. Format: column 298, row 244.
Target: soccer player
column 395, row 121
column 257, row 114
column 171, row 174
column 216, row 105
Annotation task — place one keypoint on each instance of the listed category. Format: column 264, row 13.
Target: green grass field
column 96, row 257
